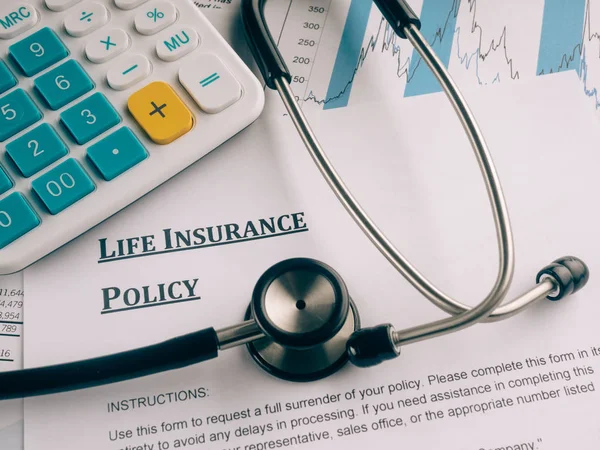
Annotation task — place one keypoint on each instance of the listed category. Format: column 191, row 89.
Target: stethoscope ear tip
column 371, row 346
column 569, row 275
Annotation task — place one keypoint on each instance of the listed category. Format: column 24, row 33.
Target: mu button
column 160, row 112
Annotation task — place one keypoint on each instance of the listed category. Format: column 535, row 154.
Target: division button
column 117, row 153
column 16, row 19
column 106, row 46
column 160, row 112
column 86, row 18
column 210, row 83
column 154, row 17
column 60, row 5
column 128, row 71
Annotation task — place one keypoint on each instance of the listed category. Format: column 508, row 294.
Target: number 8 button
column 62, row 186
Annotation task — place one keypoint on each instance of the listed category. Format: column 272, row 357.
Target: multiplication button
column 210, row 83
column 128, row 71
column 107, row 46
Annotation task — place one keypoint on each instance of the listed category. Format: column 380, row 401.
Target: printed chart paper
column 187, row 256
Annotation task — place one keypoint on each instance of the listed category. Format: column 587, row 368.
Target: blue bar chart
column 439, row 22
column 562, row 36
column 340, row 85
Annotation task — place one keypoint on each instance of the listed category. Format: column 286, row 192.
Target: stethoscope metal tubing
column 239, row 334
column 464, row 316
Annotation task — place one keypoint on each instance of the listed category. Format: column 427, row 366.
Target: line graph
column 439, row 22
column 354, row 56
column 562, row 36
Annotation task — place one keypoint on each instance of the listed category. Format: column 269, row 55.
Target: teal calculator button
column 36, row 149
column 17, row 112
column 38, row 51
column 7, row 79
column 62, row 186
column 5, row 182
column 90, row 118
column 117, row 153
column 16, row 218
column 63, row 84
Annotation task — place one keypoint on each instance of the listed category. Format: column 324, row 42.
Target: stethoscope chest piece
column 304, row 309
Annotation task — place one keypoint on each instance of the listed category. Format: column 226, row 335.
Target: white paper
column 412, row 168
column 11, row 329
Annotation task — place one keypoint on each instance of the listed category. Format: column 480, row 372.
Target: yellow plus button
column 160, row 112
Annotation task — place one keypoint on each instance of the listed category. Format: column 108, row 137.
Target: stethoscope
column 301, row 324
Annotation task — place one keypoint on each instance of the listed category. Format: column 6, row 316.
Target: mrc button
column 16, row 19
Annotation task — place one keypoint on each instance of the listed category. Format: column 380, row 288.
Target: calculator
column 100, row 102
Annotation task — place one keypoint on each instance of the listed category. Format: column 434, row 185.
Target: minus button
column 135, row 66
column 129, row 70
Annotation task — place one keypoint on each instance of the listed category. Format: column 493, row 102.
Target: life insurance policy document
column 187, row 256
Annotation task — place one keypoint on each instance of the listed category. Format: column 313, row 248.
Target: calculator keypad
column 36, row 149
column 38, row 51
column 63, row 84
column 17, row 112
column 90, row 118
column 62, row 186
column 59, row 172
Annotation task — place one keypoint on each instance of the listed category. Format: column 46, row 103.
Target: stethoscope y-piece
column 301, row 324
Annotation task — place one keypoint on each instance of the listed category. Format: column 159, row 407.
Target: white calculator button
column 129, row 4
column 128, row 71
column 210, row 83
column 105, row 46
column 154, row 17
column 60, row 5
column 16, row 19
column 176, row 42
column 86, row 18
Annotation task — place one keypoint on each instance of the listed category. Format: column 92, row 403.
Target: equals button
column 128, row 71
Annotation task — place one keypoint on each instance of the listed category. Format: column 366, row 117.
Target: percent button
column 154, row 17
